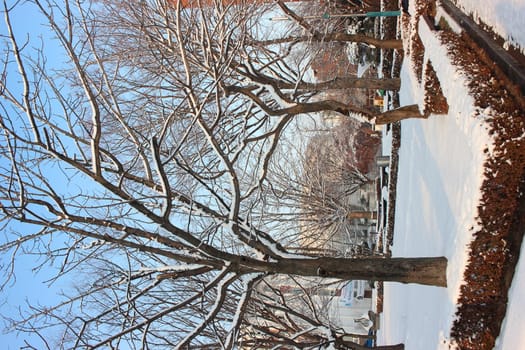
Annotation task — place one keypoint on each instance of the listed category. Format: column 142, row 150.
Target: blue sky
column 28, row 286
column 31, row 287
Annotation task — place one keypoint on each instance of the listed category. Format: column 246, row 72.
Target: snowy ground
column 440, row 173
column 505, row 17
column 434, row 214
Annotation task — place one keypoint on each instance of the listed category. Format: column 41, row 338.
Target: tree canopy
column 139, row 166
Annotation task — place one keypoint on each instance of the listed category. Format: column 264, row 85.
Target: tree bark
column 362, row 215
column 395, row 115
column 336, row 37
column 427, row 271
column 340, row 343
column 355, row 346
column 345, row 83
column 405, row 112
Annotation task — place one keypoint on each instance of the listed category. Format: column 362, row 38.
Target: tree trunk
column 427, row 271
column 406, row 112
column 345, row 344
column 346, row 83
column 362, row 215
column 401, row 113
column 395, row 115
column 336, row 37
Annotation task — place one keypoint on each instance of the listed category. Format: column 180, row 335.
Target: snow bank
column 505, row 17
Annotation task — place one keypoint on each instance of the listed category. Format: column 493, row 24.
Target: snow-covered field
column 440, row 173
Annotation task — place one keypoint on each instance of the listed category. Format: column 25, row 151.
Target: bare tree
column 318, row 184
column 317, row 25
column 136, row 168
column 266, row 76
column 277, row 320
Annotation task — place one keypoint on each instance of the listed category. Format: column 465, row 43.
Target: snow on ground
column 440, row 174
column 505, row 17
column 440, row 167
column 512, row 333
